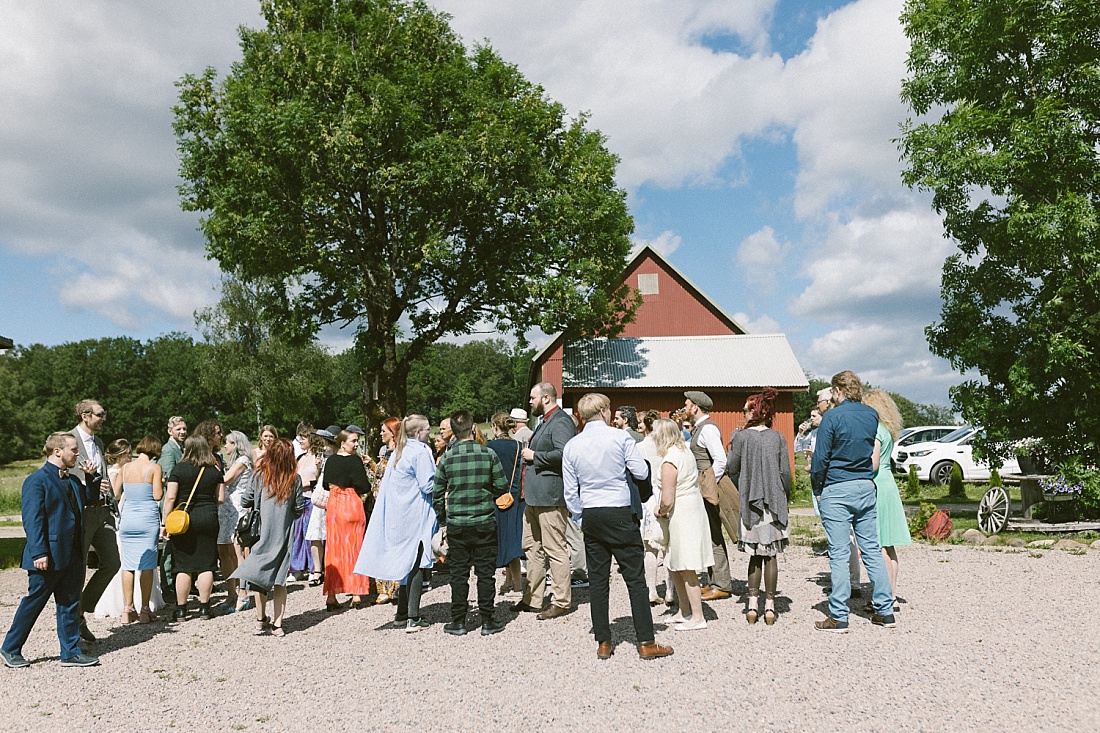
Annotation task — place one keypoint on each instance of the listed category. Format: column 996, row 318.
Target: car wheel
column 941, row 473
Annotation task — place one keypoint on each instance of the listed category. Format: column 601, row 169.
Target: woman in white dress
column 316, row 533
column 238, row 477
column 653, row 533
column 681, row 507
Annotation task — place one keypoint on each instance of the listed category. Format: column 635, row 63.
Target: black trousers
column 614, row 532
column 476, row 547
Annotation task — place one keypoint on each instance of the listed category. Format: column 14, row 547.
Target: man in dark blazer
column 53, row 505
column 545, row 519
column 99, row 520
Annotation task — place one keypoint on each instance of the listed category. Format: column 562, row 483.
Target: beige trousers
column 544, row 543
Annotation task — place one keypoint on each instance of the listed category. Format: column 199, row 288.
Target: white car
column 921, row 434
column 935, row 459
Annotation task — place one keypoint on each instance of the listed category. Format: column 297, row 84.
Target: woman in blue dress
column 139, row 526
column 398, row 542
column 510, row 520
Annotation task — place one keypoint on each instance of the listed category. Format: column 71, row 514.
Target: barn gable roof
column 740, row 361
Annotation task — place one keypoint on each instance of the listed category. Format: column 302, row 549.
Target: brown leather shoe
column 715, row 594
column 653, row 650
column 605, row 650
column 553, row 611
column 522, row 607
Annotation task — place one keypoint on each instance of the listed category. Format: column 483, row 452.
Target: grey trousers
column 720, row 577
column 100, row 533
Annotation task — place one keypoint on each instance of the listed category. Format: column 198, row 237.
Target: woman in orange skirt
column 345, row 478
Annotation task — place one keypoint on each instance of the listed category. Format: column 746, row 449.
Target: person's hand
column 528, row 455
column 42, row 563
column 164, row 533
column 89, row 468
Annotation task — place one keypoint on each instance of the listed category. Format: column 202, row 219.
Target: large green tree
column 387, row 178
column 1007, row 139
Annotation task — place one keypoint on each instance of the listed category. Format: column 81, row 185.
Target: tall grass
column 11, row 482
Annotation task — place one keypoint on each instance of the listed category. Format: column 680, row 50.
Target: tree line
column 142, row 384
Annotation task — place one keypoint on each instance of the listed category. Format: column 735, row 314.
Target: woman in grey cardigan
column 759, row 466
column 276, row 491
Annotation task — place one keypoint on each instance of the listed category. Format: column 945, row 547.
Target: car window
column 956, row 435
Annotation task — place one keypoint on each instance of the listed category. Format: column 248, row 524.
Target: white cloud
column 758, row 325
column 875, row 267
column 88, row 164
column 666, row 243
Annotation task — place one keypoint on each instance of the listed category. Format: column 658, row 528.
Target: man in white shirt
column 99, row 522
column 706, row 446
column 523, row 433
column 594, row 473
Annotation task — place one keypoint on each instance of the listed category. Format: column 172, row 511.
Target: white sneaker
column 677, row 619
column 690, row 625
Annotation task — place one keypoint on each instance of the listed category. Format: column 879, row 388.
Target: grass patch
column 11, row 552
column 11, row 483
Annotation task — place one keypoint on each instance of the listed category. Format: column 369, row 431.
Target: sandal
column 332, row 607
column 129, row 615
column 145, row 616
column 751, row 615
column 769, row 616
column 278, row 631
column 263, row 627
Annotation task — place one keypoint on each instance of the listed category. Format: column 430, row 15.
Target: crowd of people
column 550, row 506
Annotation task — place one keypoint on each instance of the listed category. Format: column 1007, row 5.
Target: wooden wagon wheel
column 993, row 510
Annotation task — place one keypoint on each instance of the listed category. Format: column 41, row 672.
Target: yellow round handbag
column 178, row 520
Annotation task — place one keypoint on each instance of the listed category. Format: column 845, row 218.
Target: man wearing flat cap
column 710, row 458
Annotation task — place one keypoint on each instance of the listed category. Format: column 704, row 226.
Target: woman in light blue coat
column 398, row 542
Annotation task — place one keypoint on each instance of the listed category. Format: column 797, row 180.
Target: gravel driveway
column 987, row 640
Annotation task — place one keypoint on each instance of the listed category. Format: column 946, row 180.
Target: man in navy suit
column 53, row 507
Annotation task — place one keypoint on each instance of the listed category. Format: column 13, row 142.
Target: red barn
column 680, row 340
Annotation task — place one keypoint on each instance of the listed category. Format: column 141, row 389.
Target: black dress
column 196, row 550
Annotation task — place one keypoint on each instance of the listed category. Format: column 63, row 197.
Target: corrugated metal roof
column 764, row 360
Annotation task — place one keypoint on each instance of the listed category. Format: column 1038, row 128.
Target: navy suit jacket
column 52, row 523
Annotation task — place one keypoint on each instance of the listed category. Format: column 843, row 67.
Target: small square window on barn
column 647, row 284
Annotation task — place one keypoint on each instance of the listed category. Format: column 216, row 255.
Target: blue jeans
column 847, row 506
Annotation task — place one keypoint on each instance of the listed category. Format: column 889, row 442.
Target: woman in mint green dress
column 893, row 528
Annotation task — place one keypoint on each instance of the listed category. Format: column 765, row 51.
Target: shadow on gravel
column 124, row 637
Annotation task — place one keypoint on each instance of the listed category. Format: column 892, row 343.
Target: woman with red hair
column 276, row 492
column 759, row 466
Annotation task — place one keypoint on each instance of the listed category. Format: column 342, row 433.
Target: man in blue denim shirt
column 842, row 475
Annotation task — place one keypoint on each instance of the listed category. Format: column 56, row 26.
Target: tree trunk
column 385, row 390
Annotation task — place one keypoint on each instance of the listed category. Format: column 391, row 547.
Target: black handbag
column 248, row 528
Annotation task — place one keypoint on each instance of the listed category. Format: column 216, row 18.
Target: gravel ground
column 987, row 639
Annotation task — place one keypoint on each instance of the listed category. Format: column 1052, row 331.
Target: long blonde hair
column 888, row 413
column 667, row 436
column 409, row 427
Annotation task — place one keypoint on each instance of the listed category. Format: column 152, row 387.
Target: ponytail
column 408, row 428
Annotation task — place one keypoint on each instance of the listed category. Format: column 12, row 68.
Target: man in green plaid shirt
column 468, row 479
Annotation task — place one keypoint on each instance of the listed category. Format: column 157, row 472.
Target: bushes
column 995, row 478
column 912, row 486
column 1074, row 471
column 956, row 490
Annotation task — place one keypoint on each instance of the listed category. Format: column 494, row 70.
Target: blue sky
column 755, row 138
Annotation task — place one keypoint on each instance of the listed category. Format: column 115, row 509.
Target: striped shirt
column 468, row 479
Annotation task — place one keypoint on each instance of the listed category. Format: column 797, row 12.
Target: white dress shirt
column 594, row 466
column 89, row 446
column 710, row 437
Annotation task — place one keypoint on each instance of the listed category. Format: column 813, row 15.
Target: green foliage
column 1009, row 151
column 995, row 478
column 267, row 377
column 374, row 173
column 142, row 385
column 956, row 490
column 912, row 413
column 912, row 483
column 24, row 423
column 918, row 520
column 1075, row 471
